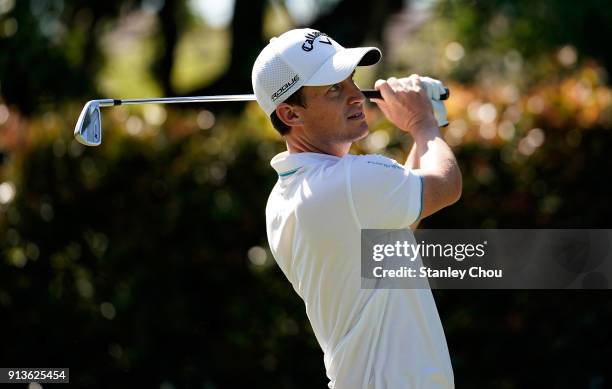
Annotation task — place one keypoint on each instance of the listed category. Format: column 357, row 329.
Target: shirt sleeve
column 384, row 193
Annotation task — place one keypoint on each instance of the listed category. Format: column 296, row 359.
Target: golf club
column 88, row 129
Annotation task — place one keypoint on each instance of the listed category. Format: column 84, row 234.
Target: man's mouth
column 357, row 116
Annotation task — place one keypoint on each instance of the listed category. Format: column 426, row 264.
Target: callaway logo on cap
column 303, row 57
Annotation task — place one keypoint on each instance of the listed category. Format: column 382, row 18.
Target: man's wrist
column 427, row 130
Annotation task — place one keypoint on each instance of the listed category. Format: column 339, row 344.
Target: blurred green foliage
column 532, row 27
column 145, row 261
column 50, row 50
column 130, row 263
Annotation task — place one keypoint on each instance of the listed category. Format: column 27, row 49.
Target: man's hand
column 406, row 103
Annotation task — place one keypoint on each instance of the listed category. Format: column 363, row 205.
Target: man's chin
column 365, row 131
column 356, row 133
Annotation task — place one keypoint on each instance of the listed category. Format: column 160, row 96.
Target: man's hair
column 297, row 98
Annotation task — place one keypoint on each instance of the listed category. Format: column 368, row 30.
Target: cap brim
column 340, row 65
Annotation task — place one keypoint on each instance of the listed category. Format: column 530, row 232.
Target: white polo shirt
column 371, row 338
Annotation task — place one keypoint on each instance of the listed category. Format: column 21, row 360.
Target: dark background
column 144, row 262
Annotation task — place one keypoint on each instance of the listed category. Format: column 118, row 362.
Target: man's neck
column 302, row 144
column 327, row 149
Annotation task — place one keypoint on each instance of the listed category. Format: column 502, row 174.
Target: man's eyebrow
column 351, row 76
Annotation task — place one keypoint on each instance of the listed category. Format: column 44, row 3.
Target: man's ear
column 289, row 115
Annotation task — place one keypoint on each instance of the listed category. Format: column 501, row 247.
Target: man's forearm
column 436, row 159
column 433, row 153
column 412, row 162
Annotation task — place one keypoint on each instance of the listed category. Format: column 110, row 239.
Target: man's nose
column 356, row 96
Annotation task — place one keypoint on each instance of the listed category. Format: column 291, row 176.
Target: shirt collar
column 286, row 164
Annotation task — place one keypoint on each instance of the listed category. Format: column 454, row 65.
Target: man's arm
column 412, row 162
column 406, row 105
column 442, row 183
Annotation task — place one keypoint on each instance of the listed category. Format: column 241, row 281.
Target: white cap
column 303, row 57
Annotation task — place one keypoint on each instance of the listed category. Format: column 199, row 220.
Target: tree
column 54, row 52
column 534, row 27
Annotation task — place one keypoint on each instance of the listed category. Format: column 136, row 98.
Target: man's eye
column 334, row 88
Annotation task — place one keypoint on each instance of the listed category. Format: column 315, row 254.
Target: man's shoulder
column 309, row 181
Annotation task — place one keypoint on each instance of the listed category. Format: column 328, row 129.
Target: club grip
column 375, row 94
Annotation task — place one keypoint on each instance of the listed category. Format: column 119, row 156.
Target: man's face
column 333, row 113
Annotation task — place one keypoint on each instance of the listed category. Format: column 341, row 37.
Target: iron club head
column 88, row 129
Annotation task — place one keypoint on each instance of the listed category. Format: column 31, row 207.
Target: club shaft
column 188, row 99
column 369, row 93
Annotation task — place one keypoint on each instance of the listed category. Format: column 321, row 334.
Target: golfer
column 324, row 196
